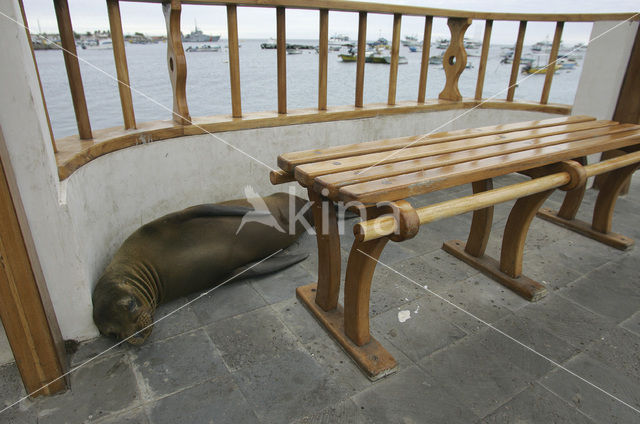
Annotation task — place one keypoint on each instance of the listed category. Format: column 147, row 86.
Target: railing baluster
column 424, row 66
column 395, row 57
column 488, row 25
column 73, row 68
column 515, row 67
column 282, row 59
column 455, row 58
column 120, row 58
column 234, row 60
column 177, row 62
column 362, row 48
column 323, row 52
column 553, row 56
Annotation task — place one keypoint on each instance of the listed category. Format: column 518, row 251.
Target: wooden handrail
column 362, row 48
column 176, row 62
column 553, row 57
column 424, row 64
column 395, row 58
column 120, row 58
column 281, row 35
column 234, row 61
column 486, row 41
column 323, row 57
column 515, row 67
column 73, row 68
column 392, row 9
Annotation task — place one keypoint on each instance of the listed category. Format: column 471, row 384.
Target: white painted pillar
column 31, row 156
column 604, row 67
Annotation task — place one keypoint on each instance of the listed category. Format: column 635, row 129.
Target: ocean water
column 208, row 87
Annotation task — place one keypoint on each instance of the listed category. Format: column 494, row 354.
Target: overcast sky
column 88, row 15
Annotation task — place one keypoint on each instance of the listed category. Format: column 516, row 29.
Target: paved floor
column 250, row 353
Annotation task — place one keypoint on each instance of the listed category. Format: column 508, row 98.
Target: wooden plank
column 482, row 67
column 512, row 141
column 373, row 359
column 515, row 67
column 120, row 58
column 281, row 42
column 414, row 183
column 25, row 307
column 395, row 54
column 176, row 62
column 323, row 54
column 424, row 64
column 335, row 181
column 362, row 48
column 388, row 8
column 553, row 57
column 35, row 64
column 289, row 161
column 73, row 68
column 234, row 61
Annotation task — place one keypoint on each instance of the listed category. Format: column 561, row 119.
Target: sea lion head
column 120, row 312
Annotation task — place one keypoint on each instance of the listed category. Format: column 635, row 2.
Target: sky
column 89, row 15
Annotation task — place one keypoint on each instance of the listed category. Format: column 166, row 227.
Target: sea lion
column 188, row 251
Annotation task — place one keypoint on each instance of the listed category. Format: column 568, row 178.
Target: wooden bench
column 376, row 178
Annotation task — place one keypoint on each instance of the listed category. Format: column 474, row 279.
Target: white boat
column 97, row 44
column 203, row 49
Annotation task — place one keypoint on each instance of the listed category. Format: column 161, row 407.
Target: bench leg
column 349, row 326
column 509, row 271
column 611, row 185
column 328, row 238
column 480, row 223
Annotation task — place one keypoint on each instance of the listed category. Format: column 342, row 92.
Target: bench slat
column 411, row 184
column 289, row 161
column 307, row 172
column 335, row 181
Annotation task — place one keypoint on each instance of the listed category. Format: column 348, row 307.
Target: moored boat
column 203, row 49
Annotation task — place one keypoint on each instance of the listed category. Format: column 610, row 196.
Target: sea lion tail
column 267, row 266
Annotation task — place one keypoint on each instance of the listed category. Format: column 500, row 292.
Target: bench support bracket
column 374, row 360
column 600, row 228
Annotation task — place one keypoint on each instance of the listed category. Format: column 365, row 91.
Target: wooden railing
column 73, row 152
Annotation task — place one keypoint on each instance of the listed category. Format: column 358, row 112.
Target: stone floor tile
column 101, row 345
column 423, row 333
column 281, row 285
column 533, row 335
column 233, row 298
column 249, row 339
column 176, row 363
column 581, row 253
column 613, row 290
column 618, row 349
column 536, row 405
column 592, row 402
column 299, row 320
column 11, row 391
column 542, row 266
column 480, row 378
column 389, row 289
column 567, row 320
column 288, row 387
column 102, row 387
column 343, row 412
column 632, row 323
column 173, row 318
column 412, row 396
column 216, row 401
column 134, row 416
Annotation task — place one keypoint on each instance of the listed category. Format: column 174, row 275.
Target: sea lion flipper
column 213, row 209
column 268, row 266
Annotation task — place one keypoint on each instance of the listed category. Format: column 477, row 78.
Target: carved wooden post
column 455, row 58
column 177, row 62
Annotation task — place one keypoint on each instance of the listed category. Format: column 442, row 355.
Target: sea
column 208, row 86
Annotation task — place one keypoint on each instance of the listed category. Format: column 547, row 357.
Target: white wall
column 604, row 68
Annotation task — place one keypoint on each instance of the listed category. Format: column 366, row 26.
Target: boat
column 97, row 44
column 294, row 51
column 348, row 57
column 541, row 46
column 442, row 44
column 471, row 44
column 436, row 60
column 197, row 36
column 567, row 62
column 203, row 48
column 410, row 41
column 414, row 49
column 337, row 41
column 529, row 69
